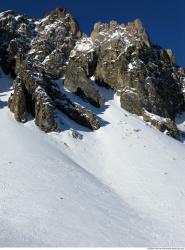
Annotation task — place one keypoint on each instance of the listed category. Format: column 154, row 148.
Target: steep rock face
column 17, row 102
column 35, row 52
column 114, row 44
column 143, row 74
column 16, row 33
column 81, row 66
column 36, row 100
column 56, row 36
column 122, row 57
column 181, row 75
column 44, row 110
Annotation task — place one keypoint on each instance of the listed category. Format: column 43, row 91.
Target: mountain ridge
column 118, row 56
column 102, row 175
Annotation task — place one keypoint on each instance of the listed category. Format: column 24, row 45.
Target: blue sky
column 163, row 19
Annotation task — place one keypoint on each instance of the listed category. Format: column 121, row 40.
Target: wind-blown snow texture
column 122, row 185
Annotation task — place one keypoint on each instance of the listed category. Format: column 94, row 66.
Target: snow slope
column 122, row 185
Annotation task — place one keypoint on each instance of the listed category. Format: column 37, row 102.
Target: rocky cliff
column 117, row 56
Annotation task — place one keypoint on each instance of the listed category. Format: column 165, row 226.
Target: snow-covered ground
column 122, row 185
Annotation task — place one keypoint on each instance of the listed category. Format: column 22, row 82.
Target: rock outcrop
column 164, row 125
column 143, row 74
column 122, row 57
column 81, row 66
column 36, row 52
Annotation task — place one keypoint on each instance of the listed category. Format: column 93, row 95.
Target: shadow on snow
column 67, row 123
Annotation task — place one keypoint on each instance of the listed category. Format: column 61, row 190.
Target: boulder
column 165, row 125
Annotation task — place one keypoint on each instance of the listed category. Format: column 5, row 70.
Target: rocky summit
column 38, row 52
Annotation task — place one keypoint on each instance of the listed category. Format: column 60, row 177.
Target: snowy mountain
column 122, row 185
column 103, row 175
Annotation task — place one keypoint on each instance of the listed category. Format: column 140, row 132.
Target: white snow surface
column 122, row 185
